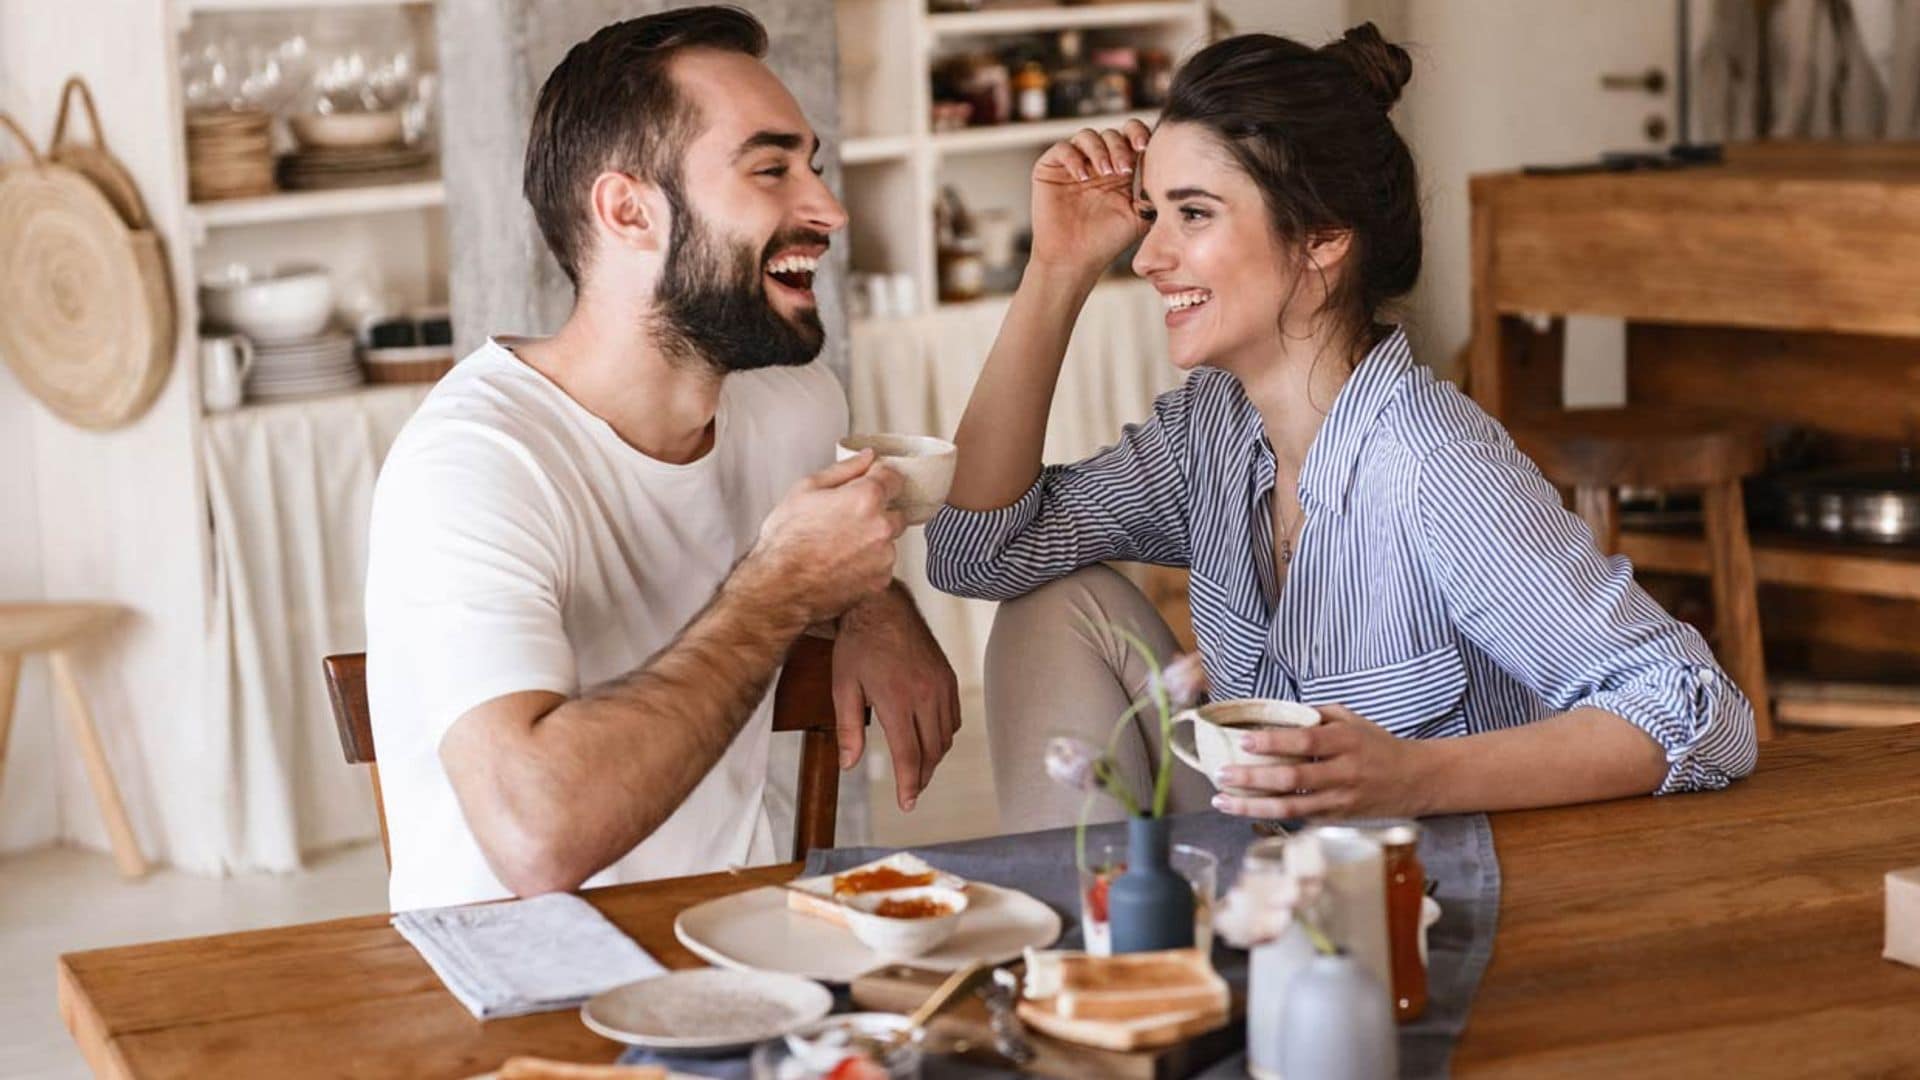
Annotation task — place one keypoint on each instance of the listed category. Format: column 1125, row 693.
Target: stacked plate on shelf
column 229, row 154
column 303, row 368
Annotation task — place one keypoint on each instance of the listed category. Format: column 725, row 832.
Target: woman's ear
column 1327, row 249
column 630, row 212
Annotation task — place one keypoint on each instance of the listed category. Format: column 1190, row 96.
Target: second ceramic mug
column 224, row 364
column 1217, row 728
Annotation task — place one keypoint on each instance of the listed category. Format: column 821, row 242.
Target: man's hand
column 885, row 656
column 829, row 544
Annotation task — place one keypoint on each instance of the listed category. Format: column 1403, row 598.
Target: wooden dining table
column 1735, row 934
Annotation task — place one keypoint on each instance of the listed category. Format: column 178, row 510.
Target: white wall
column 1502, row 83
column 114, row 516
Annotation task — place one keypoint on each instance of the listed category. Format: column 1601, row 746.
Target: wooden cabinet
column 1782, row 285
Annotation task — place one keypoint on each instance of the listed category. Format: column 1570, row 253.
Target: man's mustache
column 795, row 238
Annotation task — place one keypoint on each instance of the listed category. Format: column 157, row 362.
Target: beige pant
column 1055, row 667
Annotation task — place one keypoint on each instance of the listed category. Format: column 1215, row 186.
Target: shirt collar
column 1327, row 474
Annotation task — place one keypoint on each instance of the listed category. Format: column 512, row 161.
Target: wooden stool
column 1596, row 452
column 54, row 629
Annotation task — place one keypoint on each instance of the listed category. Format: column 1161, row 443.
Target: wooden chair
column 1596, row 452
column 803, row 702
column 54, row 629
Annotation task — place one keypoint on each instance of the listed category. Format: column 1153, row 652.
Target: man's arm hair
column 556, row 789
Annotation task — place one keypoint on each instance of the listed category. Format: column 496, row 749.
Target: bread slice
column 1132, row 986
column 820, row 896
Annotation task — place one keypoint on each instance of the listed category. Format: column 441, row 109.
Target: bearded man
column 590, row 553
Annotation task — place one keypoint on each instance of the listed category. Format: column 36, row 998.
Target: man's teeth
column 1178, row 301
column 793, row 264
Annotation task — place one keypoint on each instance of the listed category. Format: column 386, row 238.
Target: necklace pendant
column 1286, row 552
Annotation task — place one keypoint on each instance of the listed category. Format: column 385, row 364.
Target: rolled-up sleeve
column 1127, row 502
column 1524, row 582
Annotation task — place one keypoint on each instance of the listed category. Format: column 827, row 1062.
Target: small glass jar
column 963, row 270
column 1030, row 88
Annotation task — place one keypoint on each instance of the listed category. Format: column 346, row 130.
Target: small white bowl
column 896, row 937
column 924, row 462
column 281, row 306
column 347, row 129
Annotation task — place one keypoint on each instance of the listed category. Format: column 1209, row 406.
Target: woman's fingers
column 1069, row 159
column 1119, row 151
column 1306, row 776
column 1090, row 143
column 1137, row 133
column 1281, row 808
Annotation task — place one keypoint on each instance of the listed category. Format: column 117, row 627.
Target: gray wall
column 494, row 56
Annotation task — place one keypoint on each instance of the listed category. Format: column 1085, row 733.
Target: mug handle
column 245, row 346
column 1173, row 741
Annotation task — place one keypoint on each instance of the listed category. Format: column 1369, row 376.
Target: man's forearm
column 614, row 763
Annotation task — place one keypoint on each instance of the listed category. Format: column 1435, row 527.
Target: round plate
column 756, row 931
column 706, row 1010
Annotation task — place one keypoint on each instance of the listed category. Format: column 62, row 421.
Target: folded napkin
column 525, row 956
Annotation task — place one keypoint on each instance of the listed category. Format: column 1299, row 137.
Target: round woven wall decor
column 85, row 321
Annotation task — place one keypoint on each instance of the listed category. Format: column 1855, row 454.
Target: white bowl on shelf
column 343, row 130
column 283, row 305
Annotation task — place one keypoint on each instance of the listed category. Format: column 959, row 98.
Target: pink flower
column 1071, row 761
column 1184, row 679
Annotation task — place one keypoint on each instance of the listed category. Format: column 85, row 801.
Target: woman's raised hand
column 1083, row 209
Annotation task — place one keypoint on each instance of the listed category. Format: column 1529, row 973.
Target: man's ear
column 630, row 212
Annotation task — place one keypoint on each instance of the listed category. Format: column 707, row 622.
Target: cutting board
column 964, row 1030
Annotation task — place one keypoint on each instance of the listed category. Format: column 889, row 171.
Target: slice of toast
column 1129, row 987
column 820, row 896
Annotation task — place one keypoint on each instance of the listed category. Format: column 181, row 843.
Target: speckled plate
column 706, row 1011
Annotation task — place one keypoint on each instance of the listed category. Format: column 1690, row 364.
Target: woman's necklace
column 1286, row 539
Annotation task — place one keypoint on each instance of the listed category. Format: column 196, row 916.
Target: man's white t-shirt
column 517, row 543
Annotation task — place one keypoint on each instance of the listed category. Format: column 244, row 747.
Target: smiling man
column 591, row 552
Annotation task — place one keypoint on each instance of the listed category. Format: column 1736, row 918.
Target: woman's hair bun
column 1383, row 66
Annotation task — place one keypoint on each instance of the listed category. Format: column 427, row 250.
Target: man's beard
column 713, row 308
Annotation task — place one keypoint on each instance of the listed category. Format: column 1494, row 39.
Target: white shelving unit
column 1041, row 133
column 393, row 234
column 290, row 206
column 894, row 164
column 1040, row 19
column 189, row 7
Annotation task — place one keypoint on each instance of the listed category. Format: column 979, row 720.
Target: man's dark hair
column 612, row 105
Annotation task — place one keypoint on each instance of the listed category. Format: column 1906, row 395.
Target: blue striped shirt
column 1438, row 586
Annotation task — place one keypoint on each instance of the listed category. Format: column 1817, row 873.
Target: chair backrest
column 803, row 702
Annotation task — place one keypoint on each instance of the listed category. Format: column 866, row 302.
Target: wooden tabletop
column 1733, row 934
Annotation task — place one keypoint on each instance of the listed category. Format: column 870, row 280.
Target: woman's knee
column 1084, row 601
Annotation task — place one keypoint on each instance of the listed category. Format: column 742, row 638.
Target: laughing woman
column 1360, row 535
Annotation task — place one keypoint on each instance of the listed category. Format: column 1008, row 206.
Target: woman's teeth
column 794, row 271
column 1180, row 301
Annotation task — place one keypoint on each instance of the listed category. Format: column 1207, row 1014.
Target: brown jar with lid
column 1399, row 840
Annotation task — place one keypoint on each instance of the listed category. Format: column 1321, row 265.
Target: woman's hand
column 1083, row 209
column 1356, row 768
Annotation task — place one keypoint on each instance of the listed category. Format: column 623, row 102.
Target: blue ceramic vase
column 1150, row 906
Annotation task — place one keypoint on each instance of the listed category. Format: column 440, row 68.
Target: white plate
column 755, row 931
column 707, row 1010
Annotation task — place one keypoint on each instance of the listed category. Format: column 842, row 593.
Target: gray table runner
column 1457, row 852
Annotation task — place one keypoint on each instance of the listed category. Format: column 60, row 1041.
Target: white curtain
column 1808, row 69
column 289, row 489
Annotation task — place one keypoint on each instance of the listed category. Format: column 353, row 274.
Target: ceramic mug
column 224, row 364
column 1208, row 738
column 925, row 464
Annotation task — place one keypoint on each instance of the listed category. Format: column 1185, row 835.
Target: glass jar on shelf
column 1030, row 88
